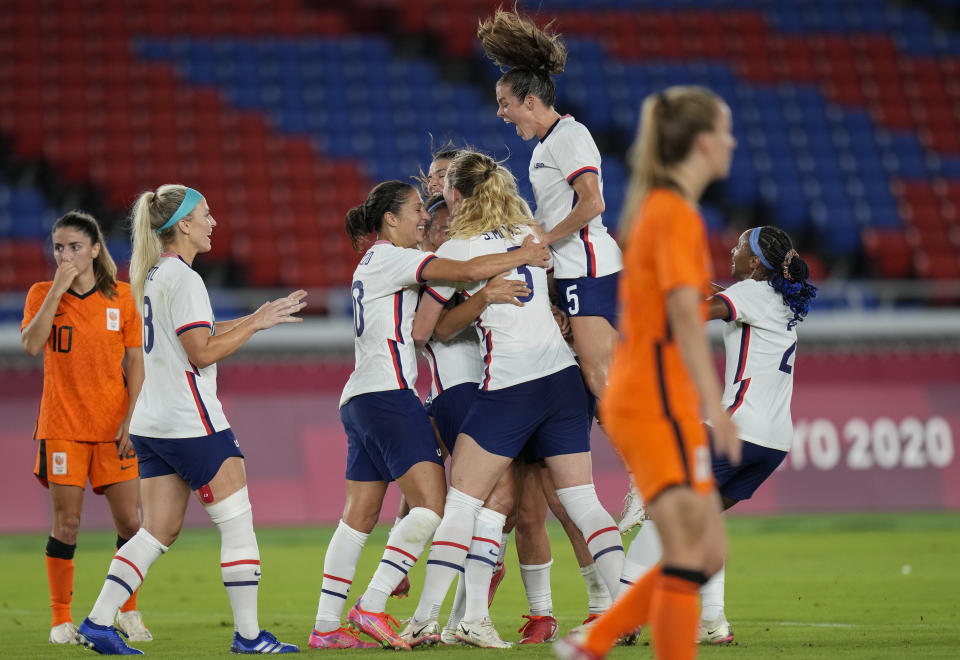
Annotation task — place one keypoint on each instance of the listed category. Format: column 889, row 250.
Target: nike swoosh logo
column 406, row 563
column 256, row 573
column 125, row 467
column 59, row 314
column 493, row 553
column 420, row 632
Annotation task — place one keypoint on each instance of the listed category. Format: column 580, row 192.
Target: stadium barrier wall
column 874, row 431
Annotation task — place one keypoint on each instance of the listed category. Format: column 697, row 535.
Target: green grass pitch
column 824, row 586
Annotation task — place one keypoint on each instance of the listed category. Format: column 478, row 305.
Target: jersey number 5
column 527, row 276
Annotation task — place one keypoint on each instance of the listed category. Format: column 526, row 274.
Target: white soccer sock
column 536, row 582
column 711, row 596
column 125, row 575
column 599, row 529
column 504, row 542
column 451, row 542
column 339, row 567
column 239, row 559
column 459, row 604
column 598, row 596
column 481, row 561
column 406, row 542
column 643, row 554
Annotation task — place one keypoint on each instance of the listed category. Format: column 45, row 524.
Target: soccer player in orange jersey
column 87, row 326
column 662, row 379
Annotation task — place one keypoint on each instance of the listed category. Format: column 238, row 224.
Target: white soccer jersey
column 518, row 344
column 760, row 351
column 454, row 362
column 385, row 294
column 178, row 400
column 564, row 153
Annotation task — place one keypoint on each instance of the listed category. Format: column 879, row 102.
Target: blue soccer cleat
column 104, row 639
column 264, row 643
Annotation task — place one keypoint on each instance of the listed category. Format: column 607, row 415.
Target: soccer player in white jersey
column 567, row 183
column 771, row 296
column 182, row 439
column 531, row 391
column 389, row 436
column 566, row 176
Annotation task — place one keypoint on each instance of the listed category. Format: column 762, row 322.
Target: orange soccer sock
column 60, row 578
column 630, row 610
column 674, row 614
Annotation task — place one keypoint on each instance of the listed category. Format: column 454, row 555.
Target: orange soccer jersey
column 84, row 394
column 652, row 408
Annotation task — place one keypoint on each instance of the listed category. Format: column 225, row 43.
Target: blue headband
column 755, row 246
column 190, row 201
column 437, row 204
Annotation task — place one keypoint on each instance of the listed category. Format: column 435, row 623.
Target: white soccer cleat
column 448, row 637
column 715, row 632
column 481, row 633
column 633, row 511
column 65, row 633
column 131, row 623
column 421, row 633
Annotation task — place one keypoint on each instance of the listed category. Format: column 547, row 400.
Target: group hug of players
column 527, row 321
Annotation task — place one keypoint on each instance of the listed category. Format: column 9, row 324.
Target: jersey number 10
column 61, row 338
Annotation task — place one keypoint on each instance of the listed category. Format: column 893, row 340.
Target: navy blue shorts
column 590, row 296
column 740, row 482
column 449, row 408
column 387, row 434
column 195, row 460
column 549, row 412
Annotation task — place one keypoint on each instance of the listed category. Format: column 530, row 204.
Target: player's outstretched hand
column 281, row 310
column 536, row 254
column 725, row 440
column 502, row 290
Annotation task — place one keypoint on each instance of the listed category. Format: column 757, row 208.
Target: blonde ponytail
column 150, row 212
column 490, row 201
column 669, row 123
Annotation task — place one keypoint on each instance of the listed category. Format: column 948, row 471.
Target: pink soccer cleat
column 403, row 589
column 495, row 581
column 341, row 638
column 538, row 629
column 377, row 625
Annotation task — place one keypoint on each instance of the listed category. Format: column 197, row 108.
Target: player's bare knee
column 66, row 526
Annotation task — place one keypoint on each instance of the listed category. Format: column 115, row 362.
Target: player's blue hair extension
column 789, row 274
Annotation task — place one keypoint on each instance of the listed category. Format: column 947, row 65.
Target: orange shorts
column 70, row 463
column 661, row 454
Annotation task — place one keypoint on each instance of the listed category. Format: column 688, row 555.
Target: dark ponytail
column 788, row 273
column 530, row 54
column 363, row 219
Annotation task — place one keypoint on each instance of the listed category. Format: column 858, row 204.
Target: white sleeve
column 575, row 153
column 744, row 302
column 190, row 304
column 404, row 266
column 451, row 249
